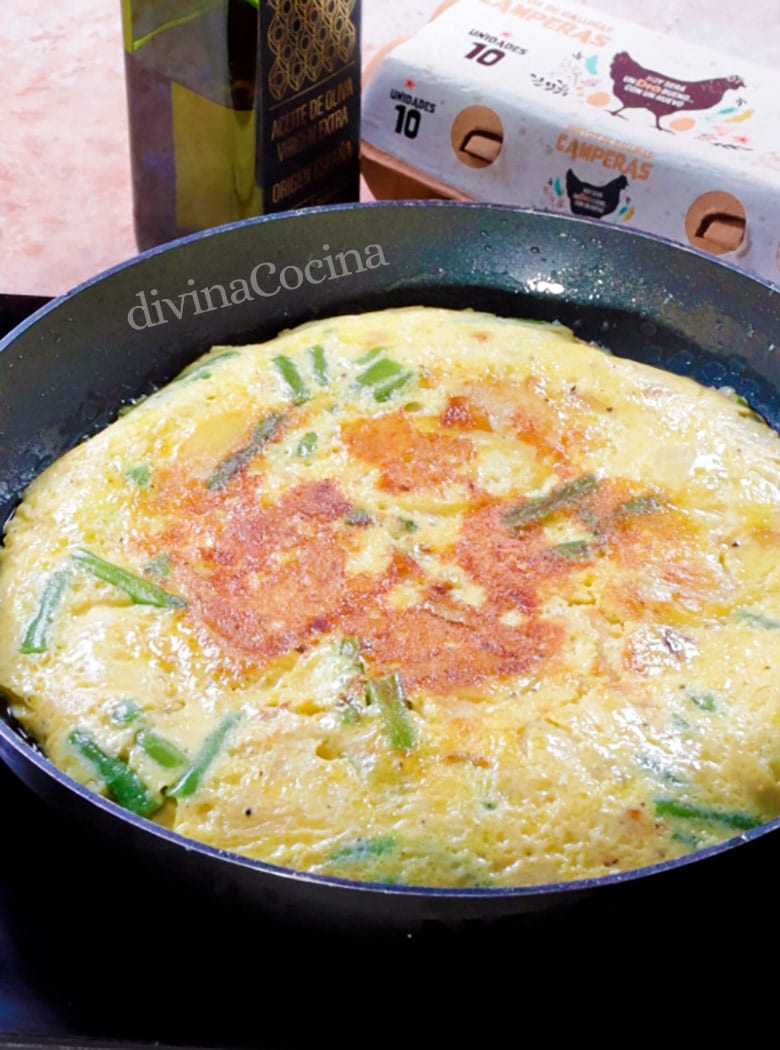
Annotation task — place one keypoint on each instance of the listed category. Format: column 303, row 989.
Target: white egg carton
column 566, row 109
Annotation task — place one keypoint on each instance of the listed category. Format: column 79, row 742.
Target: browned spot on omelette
column 408, row 458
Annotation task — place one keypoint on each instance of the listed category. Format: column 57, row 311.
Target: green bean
column 140, row 475
column 36, row 637
column 641, row 505
column 122, row 784
column 349, row 647
column 159, row 566
column 130, row 405
column 292, row 377
column 380, row 372
column 388, row 694
column 534, row 511
column 658, row 769
column 357, row 516
column 307, row 445
column 385, row 375
column 265, row 430
column 201, row 369
column 319, row 364
column 139, row 590
column 192, row 778
column 160, row 750
column 363, row 848
column 573, row 549
column 384, row 392
column 769, row 623
column 666, row 807
column 124, row 712
column 706, row 701
column 372, row 355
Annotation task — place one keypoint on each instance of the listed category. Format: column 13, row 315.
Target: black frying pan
column 65, row 371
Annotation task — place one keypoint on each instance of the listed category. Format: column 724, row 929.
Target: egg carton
column 569, row 110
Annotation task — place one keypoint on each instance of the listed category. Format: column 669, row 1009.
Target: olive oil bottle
column 239, row 107
column 190, row 67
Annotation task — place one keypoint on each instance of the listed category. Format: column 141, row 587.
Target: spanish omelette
column 416, row 596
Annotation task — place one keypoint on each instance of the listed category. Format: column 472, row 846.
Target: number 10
column 407, row 122
column 487, row 57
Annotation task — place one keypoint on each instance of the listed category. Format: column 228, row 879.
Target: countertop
column 65, row 190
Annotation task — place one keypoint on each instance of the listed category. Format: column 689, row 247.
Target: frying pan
column 65, row 372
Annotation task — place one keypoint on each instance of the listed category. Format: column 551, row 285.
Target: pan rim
column 260, row 221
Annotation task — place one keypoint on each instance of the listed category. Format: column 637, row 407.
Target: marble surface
column 65, row 193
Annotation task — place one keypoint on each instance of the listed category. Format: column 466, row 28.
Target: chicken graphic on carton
column 637, row 87
column 595, row 201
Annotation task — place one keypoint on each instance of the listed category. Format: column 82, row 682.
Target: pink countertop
column 65, row 192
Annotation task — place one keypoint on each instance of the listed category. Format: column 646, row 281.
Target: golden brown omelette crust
column 227, row 548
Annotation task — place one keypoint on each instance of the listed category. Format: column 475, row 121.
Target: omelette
column 419, row 596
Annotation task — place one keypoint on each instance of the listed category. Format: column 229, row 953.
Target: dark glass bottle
column 191, row 75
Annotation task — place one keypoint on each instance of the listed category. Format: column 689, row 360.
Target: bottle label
column 309, row 103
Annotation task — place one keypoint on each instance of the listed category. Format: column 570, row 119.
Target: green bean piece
column 351, row 707
column 160, row 750
column 350, row 647
column 706, row 701
column 319, row 364
column 140, row 475
column 138, row 590
column 385, row 392
column 658, row 769
column 201, row 369
column 769, row 623
column 358, row 516
column 36, row 637
column 535, row 511
column 159, row 566
column 641, row 505
column 292, row 377
column 742, row 402
column 130, row 405
column 122, row 784
column 192, row 779
column 125, row 711
column 380, row 372
column 265, row 430
column 363, row 848
column 307, row 445
column 372, row 355
column 667, row 807
column 388, row 694
column 573, row 549
column 691, row 842
column 385, row 375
